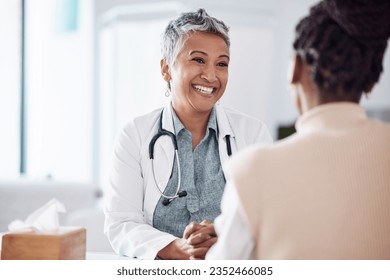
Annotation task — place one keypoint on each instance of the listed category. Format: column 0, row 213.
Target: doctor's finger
column 198, row 237
column 207, row 229
column 205, row 222
column 201, row 235
column 206, row 243
column 190, row 229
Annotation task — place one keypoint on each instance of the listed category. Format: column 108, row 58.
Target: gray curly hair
column 179, row 30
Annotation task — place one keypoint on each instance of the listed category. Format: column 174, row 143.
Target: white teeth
column 202, row 89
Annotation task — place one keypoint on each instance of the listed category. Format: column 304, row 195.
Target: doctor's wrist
column 176, row 250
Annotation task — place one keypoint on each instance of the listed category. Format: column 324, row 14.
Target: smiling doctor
column 166, row 181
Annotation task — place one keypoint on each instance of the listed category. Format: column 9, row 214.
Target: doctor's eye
column 198, row 59
column 222, row 64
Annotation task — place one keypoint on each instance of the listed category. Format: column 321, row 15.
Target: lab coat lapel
column 224, row 129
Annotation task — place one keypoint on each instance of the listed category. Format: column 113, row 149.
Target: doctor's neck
column 195, row 121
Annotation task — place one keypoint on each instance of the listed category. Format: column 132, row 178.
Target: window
column 51, row 74
column 10, row 87
column 58, row 90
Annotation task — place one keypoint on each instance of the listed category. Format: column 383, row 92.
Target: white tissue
column 44, row 219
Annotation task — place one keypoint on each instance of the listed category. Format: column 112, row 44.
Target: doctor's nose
column 209, row 74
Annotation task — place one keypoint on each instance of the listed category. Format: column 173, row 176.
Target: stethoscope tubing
column 170, row 198
column 164, row 132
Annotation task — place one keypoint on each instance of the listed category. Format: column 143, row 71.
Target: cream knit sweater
column 323, row 193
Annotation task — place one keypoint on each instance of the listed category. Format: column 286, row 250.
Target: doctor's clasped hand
column 197, row 240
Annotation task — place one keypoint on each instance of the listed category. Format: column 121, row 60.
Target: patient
column 324, row 192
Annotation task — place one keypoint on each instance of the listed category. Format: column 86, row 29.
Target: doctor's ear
column 295, row 70
column 165, row 70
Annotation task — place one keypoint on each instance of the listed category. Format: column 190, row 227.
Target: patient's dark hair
column 344, row 42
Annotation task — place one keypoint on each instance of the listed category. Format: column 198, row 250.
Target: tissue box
column 67, row 243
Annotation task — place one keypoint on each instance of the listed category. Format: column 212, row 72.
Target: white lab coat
column 132, row 196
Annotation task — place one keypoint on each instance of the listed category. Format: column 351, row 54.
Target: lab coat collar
column 167, row 121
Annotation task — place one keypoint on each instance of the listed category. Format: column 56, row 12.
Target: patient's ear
column 295, row 70
column 165, row 70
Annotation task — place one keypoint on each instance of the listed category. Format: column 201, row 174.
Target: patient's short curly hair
column 344, row 42
column 179, row 30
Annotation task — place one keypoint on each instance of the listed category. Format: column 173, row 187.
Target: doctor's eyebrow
column 205, row 54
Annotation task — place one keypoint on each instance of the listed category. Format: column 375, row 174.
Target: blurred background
column 73, row 72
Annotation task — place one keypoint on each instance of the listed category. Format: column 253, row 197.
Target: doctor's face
column 199, row 75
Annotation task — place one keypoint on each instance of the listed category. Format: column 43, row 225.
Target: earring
column 168, row 90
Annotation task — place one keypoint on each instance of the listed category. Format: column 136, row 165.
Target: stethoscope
column 163, row 132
